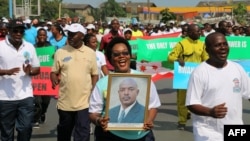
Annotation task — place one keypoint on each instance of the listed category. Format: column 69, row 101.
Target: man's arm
column 150, row 118
column 34, row 71
column 54, row 79
column 218, row 111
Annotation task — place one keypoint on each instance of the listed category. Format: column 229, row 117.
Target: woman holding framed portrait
column 119, row 54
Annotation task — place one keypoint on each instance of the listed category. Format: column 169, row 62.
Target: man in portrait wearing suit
column 130, row 110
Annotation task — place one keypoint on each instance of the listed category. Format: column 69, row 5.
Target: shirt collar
column 9, row 44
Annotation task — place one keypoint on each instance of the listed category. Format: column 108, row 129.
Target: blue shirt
column 58, row 44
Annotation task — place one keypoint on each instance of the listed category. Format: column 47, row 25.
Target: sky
column 158, row 3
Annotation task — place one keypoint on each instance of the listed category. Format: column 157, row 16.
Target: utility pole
column 149, row 15
column 26, row 9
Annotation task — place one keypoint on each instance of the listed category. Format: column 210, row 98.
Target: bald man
column 130, row 110
column 215, row 91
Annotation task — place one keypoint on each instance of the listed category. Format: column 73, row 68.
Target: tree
column 167, row 15
column 4, row 10
column 240, row 13
column 96, row 13
column 111, row 9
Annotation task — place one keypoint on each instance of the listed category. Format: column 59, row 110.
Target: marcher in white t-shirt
column 18, row 63
column 215, row 91
column 90, row 40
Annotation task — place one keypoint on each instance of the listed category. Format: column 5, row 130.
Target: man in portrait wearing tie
column 130, row 110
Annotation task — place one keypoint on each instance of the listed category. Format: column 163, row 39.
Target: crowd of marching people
column 82, row 74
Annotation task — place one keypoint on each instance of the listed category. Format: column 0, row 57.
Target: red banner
column 41, row 83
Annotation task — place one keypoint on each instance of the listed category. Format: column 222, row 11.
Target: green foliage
column 167, row 15
column 96, row 13
column 240, row 13
column 4, row 8
column 112, row 8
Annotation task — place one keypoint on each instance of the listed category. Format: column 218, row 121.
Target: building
column 83, row 10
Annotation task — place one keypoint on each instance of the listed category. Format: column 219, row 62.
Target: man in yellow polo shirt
column 76, row 72
column 136, row 32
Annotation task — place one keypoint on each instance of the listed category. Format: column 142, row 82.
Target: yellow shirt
column 137, row 33
column 189, row 50
column 75, row 67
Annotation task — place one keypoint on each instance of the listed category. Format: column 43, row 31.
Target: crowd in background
column 97, row 36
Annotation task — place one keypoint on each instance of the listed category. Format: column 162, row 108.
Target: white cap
column 49, row 23
column 76, row 27
column 182, row 22
column 90, row 26
column 127, row 29
column 5, row 21
column 171, row 22
column 27, row 21
column 162, row 24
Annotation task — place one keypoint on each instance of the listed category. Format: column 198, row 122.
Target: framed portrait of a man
column 127, row 101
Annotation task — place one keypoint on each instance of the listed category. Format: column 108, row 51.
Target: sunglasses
column 18, row 31
column 72, row 33
column 116, row 54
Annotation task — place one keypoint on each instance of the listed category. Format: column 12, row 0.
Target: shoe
column 43, row 118
column 181, row 126
column 36, row 125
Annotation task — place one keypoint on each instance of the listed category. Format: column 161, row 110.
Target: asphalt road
column 165, row 123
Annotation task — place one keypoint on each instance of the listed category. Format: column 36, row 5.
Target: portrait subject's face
column 127, row 93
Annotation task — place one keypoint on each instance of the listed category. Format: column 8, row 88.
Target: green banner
column 157, row 49
column 45, row 55
column 239, row 48
column 134, row 46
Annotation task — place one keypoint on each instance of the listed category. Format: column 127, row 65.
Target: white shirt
column 100, row 59
column 210, row 86
column 16, row 87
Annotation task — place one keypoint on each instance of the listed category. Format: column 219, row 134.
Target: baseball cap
column 27, row 21
column 5, row 21
column 162, row 24
column 16, row 23
column 49, row 23
column 76, row 27
column 90, row 26
column 127, row 29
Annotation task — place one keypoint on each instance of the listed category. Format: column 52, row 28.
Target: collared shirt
column 75, row 67
column 16, row 87
column 106, row 39
column 189, row 50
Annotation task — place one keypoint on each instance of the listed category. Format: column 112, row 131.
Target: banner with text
column 45, row 55
column 182, row 74
column 158, row 49
column 41, row 83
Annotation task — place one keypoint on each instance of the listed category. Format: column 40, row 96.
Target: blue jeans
column 73, row 120
column 17, row 114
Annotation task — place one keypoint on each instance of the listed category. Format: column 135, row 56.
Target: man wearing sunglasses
column 18, row 62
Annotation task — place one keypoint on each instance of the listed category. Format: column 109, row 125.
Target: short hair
column 59, row 28
column 87, row 38
column 41, row 29
column 112, row 43
column 221, row 23
column 210, row 37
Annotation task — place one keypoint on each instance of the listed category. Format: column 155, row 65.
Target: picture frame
column 130, row 92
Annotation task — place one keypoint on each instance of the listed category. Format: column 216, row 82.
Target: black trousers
column 77, row 120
